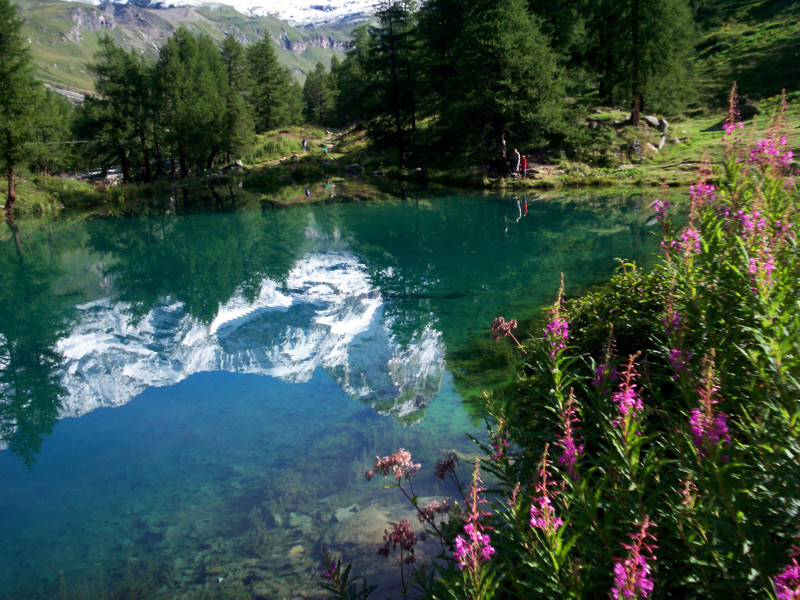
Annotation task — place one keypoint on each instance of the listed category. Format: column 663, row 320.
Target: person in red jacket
column 524, row 166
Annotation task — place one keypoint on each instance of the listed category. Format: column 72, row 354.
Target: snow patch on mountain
column 295, row 12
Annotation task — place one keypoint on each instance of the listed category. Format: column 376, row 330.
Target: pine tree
column 18, row 90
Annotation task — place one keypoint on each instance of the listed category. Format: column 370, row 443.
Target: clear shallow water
column 189, row 403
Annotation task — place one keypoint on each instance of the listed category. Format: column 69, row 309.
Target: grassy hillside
column 753, row 42
column 64, row 35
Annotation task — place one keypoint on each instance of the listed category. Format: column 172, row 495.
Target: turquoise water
column 189, row 402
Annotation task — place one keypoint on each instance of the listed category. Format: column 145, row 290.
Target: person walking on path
column 305, row 143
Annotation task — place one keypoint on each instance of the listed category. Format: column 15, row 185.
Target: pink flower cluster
column 628, row 401
column 399, row 464
column 542, row 512
column 690, row 240
column 633, row 576
column 678, row 359
column 709, row 428
column 730, row 126
column 760, row 269
column 501, row 327
column 787, row 582
column 476, row 546
column 557, row 331
column 571, row 449
column 702, row 193
column 660, row 208
column 768, row 152
column 752, row 224
column 400, row 535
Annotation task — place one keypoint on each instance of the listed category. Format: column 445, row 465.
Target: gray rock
column 354, row 169
column 636, row 148
column 650, row 148
column 663, row 125
column 662, row 141
column 651, row 120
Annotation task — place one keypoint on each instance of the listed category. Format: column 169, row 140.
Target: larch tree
column 18, row 94
column 238, row 123
column 392, row 61
column 643, row 51
column 499, row 80
column 271, row 91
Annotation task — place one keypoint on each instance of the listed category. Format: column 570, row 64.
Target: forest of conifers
column 438, row 81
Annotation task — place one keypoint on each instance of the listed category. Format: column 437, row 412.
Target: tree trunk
column 12, row 192
column 636, row 84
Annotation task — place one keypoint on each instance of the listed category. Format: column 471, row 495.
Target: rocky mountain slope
column 64, row 35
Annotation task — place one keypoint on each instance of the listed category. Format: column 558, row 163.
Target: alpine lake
column 190, row 399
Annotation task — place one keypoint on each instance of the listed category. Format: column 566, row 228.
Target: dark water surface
column 188, row 403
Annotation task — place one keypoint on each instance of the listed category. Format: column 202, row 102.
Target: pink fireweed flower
column 702, row 193
column 787, row 582
column 627, row 399
column 690, row 240
column 557, row 330
column 571, row 449
column 672, row 320
column 475, row 548
column 678, row 359
column 709, row 428
column 499, row 440
column 633, row 576
column 331, row 570
column 606, row 368
column 760, row 269
column 398, row 464
column 660, row 208
column 770, row 153
column 543, row 514
column 752, row 223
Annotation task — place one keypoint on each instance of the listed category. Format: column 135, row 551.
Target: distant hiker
column 524, row 166
column 305, row 143
column 517, row 158
column 308, row 192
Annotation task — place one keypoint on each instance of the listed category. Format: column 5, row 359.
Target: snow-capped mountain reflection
column 326, row 315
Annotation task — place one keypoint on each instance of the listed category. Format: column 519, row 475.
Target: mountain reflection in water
column 256, row 362
column 325, row 315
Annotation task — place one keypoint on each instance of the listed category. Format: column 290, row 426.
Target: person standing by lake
column 517, row 158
